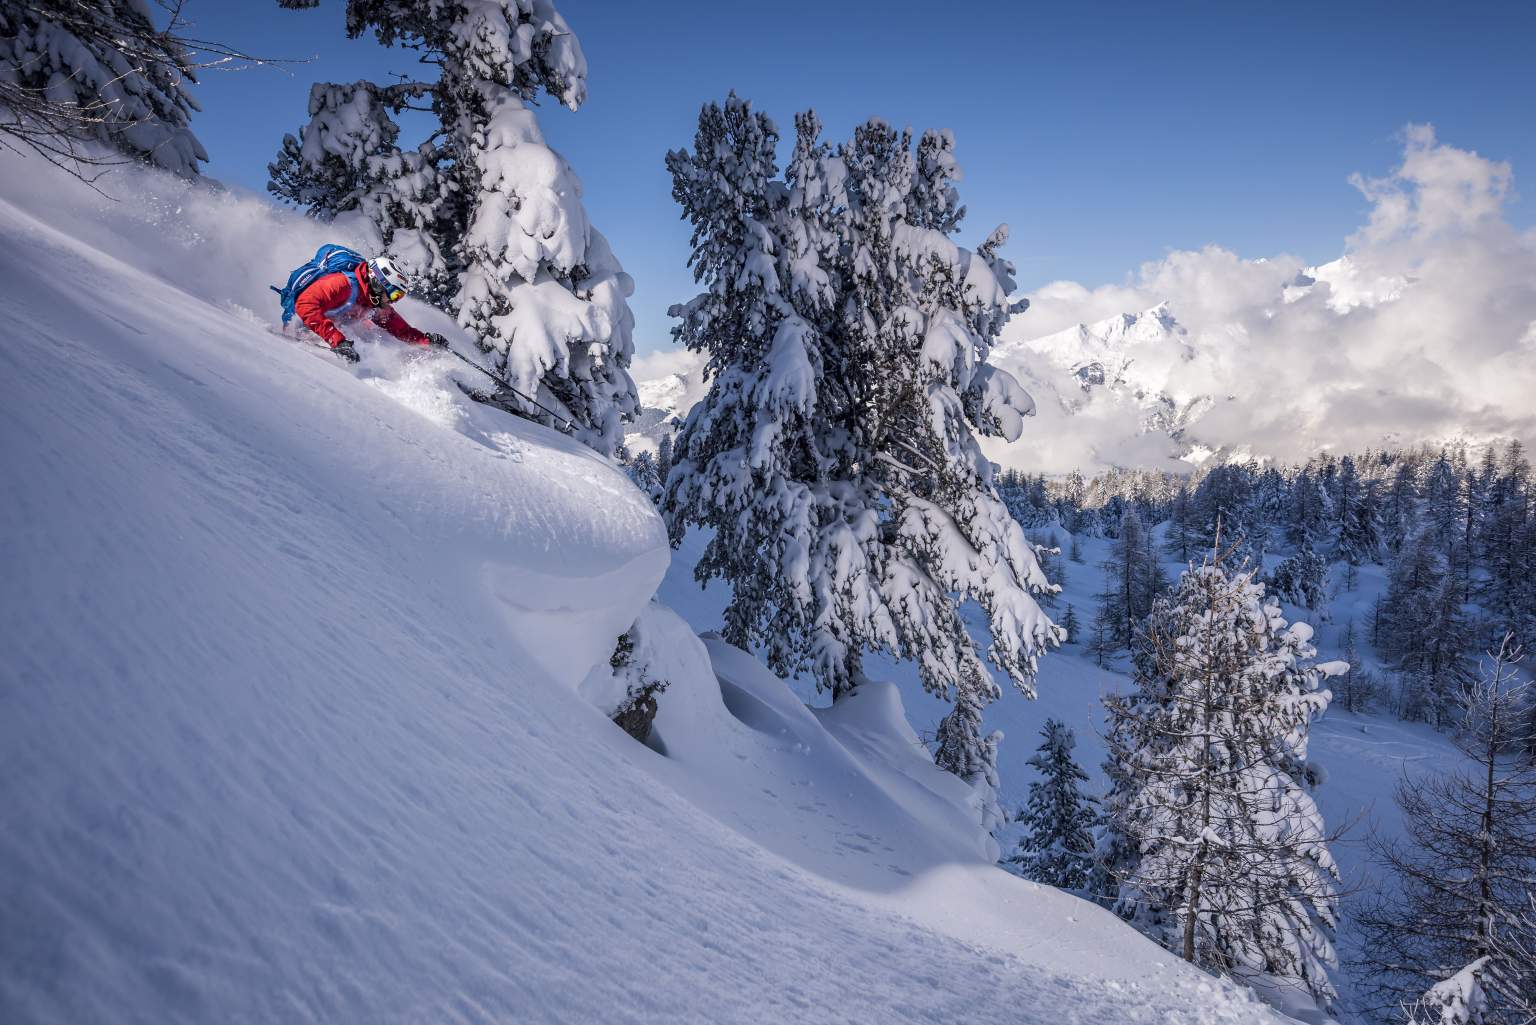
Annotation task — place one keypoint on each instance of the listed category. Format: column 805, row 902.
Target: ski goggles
column 381, row 290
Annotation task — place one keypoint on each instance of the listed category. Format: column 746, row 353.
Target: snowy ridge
column 1135, row 351
column 294, row 726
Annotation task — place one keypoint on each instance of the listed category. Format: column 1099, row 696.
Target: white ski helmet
column 392, row 281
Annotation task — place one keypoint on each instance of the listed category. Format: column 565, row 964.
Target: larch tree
column 1183, row 531
column 1422, row 630
column 1222, row 854
column 1133, row 578
column 835, row 457
column 484, row 214
column 1465, row 867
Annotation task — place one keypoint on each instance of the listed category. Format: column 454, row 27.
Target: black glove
column 437, row 341
column 345, row 351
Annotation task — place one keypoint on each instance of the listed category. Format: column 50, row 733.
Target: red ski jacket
column 344, row 296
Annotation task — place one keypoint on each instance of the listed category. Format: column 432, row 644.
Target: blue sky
column 1103, row 134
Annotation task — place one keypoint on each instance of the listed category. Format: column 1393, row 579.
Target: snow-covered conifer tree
column 965, row 750
column 485, row 214
column 1100, row 641
column 1465, row 866
column 1440, row 504
column 1302, row 580
column 1207, row 760
column 1057, row 848
column 642, row 469
column 664, row 456
column 1399, row 515
column 100, row 71
column 834, row 456
column 1224, row 506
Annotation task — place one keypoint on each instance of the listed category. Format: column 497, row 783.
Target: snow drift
column 292, row 723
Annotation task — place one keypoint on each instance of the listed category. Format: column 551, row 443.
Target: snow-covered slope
column 1362, row 756
column 291, row 713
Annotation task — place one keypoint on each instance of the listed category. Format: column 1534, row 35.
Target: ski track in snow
column 289, row 716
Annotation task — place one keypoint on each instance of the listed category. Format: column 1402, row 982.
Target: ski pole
column 514, row 391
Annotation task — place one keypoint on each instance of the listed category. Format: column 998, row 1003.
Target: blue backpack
column 329, row 259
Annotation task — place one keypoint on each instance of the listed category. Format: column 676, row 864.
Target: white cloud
column 663, row 362
column 1425, row 330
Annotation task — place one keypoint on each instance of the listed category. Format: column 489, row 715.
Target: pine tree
column 834, row 457
column 1464, row 869
column 1076, row 551
column 1359, row 527
column 1070, row 504
column 485, row 215
column 966, row 752
column 1057, row 848
column 1048, row 554
column 664, row 457
column 1224, row 505
column 1440, row 501
column 1223, row 855
column 1302, row 580
column 1400, row 509
column 1070, row 626
column 642, row 470
column 77, row 71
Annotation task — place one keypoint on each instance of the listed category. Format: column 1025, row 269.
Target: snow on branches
column 835, row 457
column 1059, row 819
column 1222, row 854
column 98, row 71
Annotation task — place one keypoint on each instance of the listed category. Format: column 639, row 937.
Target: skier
column 371, row 289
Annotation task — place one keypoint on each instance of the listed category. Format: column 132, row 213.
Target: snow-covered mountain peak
column 664, row 394
column 1134, row 352
column 668, row 382
column 1349, row 286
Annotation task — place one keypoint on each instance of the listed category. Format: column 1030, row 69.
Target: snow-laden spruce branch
column 90, row 84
